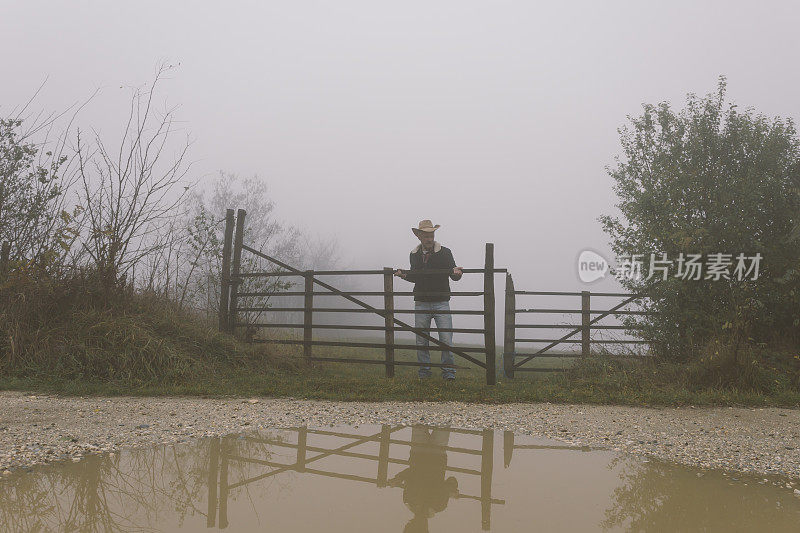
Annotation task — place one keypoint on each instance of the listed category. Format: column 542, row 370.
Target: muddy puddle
column 385, row 478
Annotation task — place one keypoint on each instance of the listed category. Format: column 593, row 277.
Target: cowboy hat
column 425, row 226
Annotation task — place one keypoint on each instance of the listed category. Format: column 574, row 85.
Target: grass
column 64, row 337
column 333, row 381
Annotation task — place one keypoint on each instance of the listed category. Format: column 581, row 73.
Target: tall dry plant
column 129, row 192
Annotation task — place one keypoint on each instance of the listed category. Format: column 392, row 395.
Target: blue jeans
column 423, row 321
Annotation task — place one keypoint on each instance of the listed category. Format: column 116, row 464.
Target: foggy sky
column 493, row 119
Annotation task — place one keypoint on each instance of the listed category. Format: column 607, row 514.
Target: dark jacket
column 431, row 287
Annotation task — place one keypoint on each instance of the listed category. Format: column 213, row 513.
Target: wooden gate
column 308, row 454
column 513, row 361
column 232, row 311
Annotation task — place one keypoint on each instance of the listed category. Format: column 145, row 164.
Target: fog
column 494, row 119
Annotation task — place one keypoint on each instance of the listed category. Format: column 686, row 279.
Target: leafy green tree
column 711, row 179
column 33, row 218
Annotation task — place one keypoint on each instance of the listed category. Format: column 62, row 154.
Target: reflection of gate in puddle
column 509, row 447
column 221, row 455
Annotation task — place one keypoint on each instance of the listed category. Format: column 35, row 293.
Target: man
column 425, row 489
column 432, row 293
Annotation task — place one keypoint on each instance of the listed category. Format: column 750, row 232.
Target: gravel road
column 36, row 429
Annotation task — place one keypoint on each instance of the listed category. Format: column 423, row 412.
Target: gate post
column 213, row 475
column 585, row 319
column 225, row 275
column 508, row 447
column 302, row 438
column 224, row 491
column 388, row 306
column 488, row 314
column 236, row 282
column 308, row 311
column 4, row 253
column 487, row 465
column 510, row 329
column 383, row 456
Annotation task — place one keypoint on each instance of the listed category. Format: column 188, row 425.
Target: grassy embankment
column 74, row 340
column 634, row 385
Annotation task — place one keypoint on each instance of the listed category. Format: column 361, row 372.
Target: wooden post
column 213, row 473
column 388, row 306
column 488, row 314
column 4, row 254
column 510, row 329
column 508, row 447
column 487, row 465
column 236, row 282
column 308, row 312
column 302, row 439
column 225, row 275
column 383, row 456
column 223, row 483
column 585, row 319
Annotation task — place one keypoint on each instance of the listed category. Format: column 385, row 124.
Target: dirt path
column 40, row 429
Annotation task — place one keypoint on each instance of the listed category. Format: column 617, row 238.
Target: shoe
column 449, row 378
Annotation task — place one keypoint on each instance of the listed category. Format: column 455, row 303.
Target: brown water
column 382, row 478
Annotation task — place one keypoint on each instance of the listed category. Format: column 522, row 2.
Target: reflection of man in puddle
column 425, row 490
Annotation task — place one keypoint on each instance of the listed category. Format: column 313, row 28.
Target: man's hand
column 457, row 271
column 400, row 274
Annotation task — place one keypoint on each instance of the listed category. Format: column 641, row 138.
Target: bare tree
column 128, row 193
column 205, row 229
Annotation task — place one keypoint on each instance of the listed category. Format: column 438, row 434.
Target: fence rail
column 352, row 326
column 354, row 310
column 431, row 272
column 358, row 293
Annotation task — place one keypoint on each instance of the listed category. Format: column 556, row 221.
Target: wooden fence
column 231, row 310
column 513, row 361
column 307, row 453
column 5, row 251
